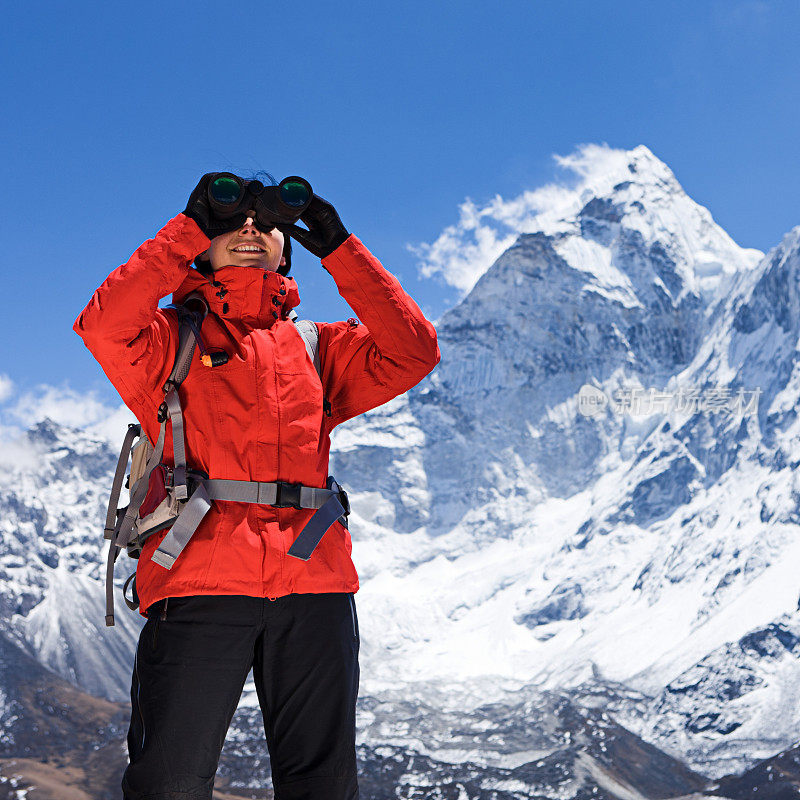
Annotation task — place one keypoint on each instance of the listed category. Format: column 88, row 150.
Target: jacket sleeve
column 364, row 366
column 134, row 340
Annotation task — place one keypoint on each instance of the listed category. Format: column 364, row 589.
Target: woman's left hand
column 325, row 230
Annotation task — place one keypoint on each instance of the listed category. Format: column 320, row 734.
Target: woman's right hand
column 199, row 209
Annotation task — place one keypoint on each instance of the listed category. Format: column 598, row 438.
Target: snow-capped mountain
column 624, row 546
column 636, row 560
column 54, row 484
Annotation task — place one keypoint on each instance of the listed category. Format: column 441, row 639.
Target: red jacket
column 259, row 417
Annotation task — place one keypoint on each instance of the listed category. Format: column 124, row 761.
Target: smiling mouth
column 249, row 248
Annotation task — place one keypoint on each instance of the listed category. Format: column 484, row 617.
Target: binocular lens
column 294, row 193
column 225, row 190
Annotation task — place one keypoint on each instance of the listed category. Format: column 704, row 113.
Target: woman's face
column 247, row 247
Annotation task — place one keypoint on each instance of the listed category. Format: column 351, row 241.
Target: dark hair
column 287, row 254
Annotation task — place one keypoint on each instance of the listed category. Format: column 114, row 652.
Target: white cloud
column 111, row 426
column 6, row 388
column 465, row 250
column 71, row 408
column 16, row 452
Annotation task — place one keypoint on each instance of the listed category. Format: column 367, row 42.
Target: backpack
column 178, row 497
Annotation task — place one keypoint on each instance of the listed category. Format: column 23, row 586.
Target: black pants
column 191, row 663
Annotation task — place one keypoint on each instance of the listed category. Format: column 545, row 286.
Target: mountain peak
column 604, row 189
column 602, row 169
column 46, row 431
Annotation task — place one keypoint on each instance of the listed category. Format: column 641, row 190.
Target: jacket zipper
column 353, row 614
column 138, row 700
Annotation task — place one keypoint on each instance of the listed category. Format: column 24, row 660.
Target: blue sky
column 396, row 113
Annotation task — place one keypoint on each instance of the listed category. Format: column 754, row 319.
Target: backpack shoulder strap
column 310, row 333
column 191, row 314
column 119, row 524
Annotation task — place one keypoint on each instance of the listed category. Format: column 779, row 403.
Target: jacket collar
column 246, row 294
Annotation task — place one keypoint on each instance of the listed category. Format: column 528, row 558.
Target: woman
column 235, row 599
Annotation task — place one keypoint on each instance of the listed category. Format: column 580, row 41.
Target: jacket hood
column 254, row 296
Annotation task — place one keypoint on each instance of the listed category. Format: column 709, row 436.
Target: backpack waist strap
column 331, row 504
column 278, row 493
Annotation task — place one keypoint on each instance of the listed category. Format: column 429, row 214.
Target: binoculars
column 229, row 196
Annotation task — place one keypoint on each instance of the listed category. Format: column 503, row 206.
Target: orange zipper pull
column 215, row 359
